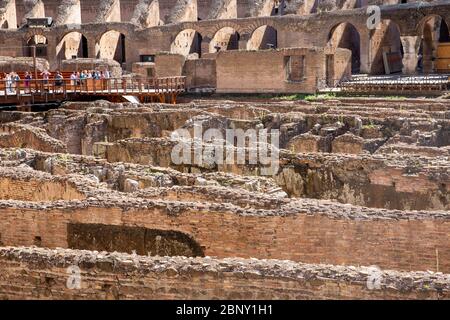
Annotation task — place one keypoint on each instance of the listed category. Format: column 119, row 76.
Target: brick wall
column 36, row 190
column 200, row 73
column 265, row 71
column 43, row 274
column 389, row 239
column 169, row 65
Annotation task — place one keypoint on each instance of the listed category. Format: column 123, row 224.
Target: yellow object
column 443, row 57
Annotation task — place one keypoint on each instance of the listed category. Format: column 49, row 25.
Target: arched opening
column 187, row 42
column 346, row 36
column 444, row 33
column 143, row 241
column 38, row 41
column 435, row 33
column 112, row 45
column 225, row 39
column 5, row 25
column 387, row 49
column 73, row 45
column 265, row 37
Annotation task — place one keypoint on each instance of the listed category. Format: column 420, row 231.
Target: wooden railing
column 112, row 86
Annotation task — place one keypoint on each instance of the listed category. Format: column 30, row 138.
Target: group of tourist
column 13, row 79
column 59, row 80
column 78, row 78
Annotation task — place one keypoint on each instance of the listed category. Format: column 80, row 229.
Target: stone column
column 365, row 52
column 411, row 51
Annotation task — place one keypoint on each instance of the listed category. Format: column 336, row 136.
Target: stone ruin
column 360, row 183
column 357, row 206
column 409, row 38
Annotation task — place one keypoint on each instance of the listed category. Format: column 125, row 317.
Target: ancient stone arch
column 226, row 38
column 35, row 37
column 346, row 35
column 260, row 22
column 111, row 44
column 424, row 20
column 385, row 40
column 430, row 31
column 188, row 41
column 227, row 23
column 263, row 37
column 73, row 44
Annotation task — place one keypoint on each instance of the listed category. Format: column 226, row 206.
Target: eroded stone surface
column 355, row 186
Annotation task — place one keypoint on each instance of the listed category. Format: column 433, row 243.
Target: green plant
column 63, row 157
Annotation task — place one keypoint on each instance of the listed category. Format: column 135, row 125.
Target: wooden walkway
column 23, row 92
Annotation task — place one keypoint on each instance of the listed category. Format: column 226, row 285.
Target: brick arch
column 269, row 36
column 60, row 37
column 41, row 50
column 346, row 41
column 355, row 24
column 261, row 22
column 232, row 42
column 31, row 33
column 121, row 50
column 82, row 42
column 99, row 35
column 226, row 24
column 195, row 47
column 421, row 23
column 180, row 27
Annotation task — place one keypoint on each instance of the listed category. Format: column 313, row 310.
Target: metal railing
column 404, row 83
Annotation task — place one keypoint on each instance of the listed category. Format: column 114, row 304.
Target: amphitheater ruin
column 95, row 205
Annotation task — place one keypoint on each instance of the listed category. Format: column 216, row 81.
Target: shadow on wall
column 143, row 241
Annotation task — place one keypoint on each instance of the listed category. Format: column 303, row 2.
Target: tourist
column 45, row 77
column 97, row 75
column 28, row 78
column 9, row 83
column 78, row 78
column 15, row 81
column 83, row 76
column 107, row 76
column 59, row 82
column 73, row 79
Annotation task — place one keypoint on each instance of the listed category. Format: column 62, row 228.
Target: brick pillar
column 429, row 55
column 205, row 45
column 52, row 54
column 365, row 52
column 243, row 41
column 92, row 50
column 410, row 58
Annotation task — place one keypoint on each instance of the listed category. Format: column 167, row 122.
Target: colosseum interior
column 354, row 203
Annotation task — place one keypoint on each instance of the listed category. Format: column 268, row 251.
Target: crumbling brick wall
column 132, row 277
column 307, row 231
